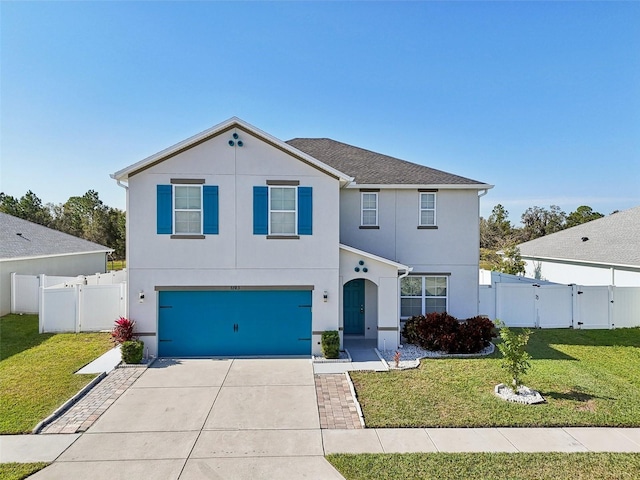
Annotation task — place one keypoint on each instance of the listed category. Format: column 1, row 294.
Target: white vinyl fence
column 561, row 306
column 82, row 308
column 71, row 304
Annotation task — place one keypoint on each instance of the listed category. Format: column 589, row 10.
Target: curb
column 355, row 399
column 69, row 403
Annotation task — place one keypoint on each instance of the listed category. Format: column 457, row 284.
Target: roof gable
column 372, row 168
column 221, row 128
column 610, row 240
column 23, row 239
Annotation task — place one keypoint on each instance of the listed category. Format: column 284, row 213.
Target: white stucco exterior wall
column 451, row 249
column 235, row 256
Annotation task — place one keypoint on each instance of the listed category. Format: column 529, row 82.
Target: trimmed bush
column 131, row 351
column 331, row 344
column 443, row 332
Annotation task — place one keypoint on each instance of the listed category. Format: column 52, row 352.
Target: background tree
column 538, row 222
column 582, row 214
column 84, row 217
column 28, row 207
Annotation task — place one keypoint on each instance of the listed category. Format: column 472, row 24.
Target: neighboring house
column 242, row 244
column 605, row 251
column 31, row 249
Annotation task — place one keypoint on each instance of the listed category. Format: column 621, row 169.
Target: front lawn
column 18, row 471
column 36, row 370
column 588, row 377
column 494, row 466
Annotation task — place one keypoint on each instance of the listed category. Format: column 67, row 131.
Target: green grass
column 18, row 471
column 36, row 370
column 116, row 264
column 494, row 466
column 588, row 377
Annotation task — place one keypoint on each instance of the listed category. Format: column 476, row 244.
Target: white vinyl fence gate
column 561, row 306
column 71, row 304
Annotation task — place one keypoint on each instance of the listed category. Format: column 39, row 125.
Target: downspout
column 481, row 193
column 120, row 184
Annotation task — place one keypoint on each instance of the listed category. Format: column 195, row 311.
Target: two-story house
column 241, row 244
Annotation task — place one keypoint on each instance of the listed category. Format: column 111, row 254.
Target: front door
column 353, row 307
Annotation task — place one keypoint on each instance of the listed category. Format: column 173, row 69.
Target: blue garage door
column 234, row 323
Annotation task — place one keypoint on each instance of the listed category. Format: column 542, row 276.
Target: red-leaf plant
column 123, row 330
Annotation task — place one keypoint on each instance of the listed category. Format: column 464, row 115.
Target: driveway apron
column 206, row 419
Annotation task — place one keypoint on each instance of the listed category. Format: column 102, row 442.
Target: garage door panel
column 206, row 323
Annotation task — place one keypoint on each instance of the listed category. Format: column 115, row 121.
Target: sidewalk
column 46, row 448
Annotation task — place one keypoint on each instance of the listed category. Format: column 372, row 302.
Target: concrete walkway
column 192, row 419
column 197, row 419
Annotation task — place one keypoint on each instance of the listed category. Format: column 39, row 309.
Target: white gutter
column 406, row 273
column 482, row 193
column 403, row 186
column 35, row 257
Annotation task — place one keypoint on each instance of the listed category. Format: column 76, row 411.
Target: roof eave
column 577, row 261
column 233, row 122
column 414, row 186
column 357, row 251
column 36, row 257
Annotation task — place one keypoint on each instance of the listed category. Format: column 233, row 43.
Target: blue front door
column 234, row 323
column 353, row 307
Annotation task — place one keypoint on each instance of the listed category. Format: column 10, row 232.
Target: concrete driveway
column 206, row 419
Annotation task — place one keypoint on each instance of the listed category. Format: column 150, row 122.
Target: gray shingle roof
column 38, row 241
column 369, row 167
column 612, row 240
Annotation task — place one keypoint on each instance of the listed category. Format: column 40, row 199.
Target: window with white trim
column 283, row 210
column 369, row 202
column 420, row 295
column 427, row 209
column 187, row 209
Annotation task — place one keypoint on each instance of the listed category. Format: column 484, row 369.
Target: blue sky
column 541, row 99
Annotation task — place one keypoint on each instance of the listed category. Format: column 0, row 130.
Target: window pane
column 369, row 200
column 427, row 217
column 410, row 307
column 187, row 222
column 283, row 223
column 187, row 198
column 369, row 217
column 427, row 200
column 283, row 199
column 435, row 286
column 435, row 305
column 411, row 286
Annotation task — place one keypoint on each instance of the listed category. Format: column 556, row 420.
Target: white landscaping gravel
column 525, row 394
column 410, row 355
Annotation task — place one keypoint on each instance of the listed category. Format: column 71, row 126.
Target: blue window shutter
column 260, row 210
column 305, row 210
column 164, row 214
column 210, row 207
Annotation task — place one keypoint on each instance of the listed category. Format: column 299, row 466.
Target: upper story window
column 282, row 210
column 420, row 295
column 187, row 209
column 427, row 209
column 369, row 216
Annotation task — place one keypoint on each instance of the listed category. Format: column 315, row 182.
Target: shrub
column 331, row 344
column 123, row 330
column 443, row 332
column 131, row 351
column 515, row 357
